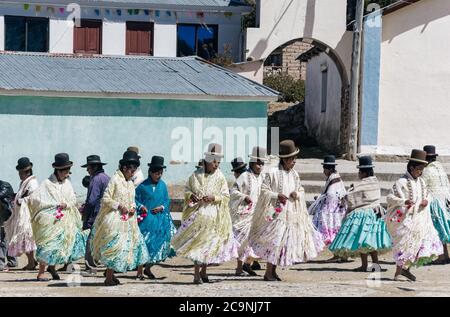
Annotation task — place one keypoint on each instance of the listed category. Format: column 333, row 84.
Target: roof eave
column 108, row 95
column 126, row 5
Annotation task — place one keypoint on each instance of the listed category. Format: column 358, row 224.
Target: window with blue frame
column 197, row 39
column 26, row 34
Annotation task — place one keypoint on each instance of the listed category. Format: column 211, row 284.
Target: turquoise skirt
column 441, row 220
column 361, row 232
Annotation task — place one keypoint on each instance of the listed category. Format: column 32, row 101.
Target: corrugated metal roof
column 135, row 75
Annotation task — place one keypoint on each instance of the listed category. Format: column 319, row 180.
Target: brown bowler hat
column 288, row 149
column 418, row 156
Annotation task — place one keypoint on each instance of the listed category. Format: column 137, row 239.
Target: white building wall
column 165, row 39
column 60, row 36
column 114, row 37
column 323, row 126
column 284, row 20
column 114, row 28
column 415, row 78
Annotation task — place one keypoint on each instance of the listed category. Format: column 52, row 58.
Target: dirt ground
column 174, row 278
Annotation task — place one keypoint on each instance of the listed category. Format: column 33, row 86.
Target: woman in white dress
column 415, row 240
column 282, row 232
column 244, row 196
column 18, row 228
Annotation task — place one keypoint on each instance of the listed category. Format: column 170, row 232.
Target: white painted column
column 2, row 33
column 114, row 38
column 61, row 36
column 165, row 39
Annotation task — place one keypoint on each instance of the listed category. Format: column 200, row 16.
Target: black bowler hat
column 157, row 163
column 329, row 160
column 24, row 164
column 62, row 161
column 93, row 159
column 237, row 164
column 431, row 150
column 130, row 157
column 365, row 162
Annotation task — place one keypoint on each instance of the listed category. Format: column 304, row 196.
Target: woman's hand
column 195, row 198
column 62, row 206
column 293, row 195
column 424, row 203
column 409, row 203
column 157, row 210
column 131, row 212
column 123, row 210
column 143, row 209
column 282, row 198
column 209, row 199
column 248, row 200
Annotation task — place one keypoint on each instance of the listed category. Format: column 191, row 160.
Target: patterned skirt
column 440, row 215
column 59, row 241
column 361, row 232
column 206, row 238
column 327, row 212
column 118, row 244
column 158, row 230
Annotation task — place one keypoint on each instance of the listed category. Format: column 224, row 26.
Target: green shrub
column 291, row 90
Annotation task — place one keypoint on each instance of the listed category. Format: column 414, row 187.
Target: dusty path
column 308, row 279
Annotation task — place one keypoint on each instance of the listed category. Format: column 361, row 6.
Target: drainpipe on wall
column 355, row 78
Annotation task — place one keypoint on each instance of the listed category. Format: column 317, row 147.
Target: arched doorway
column 326, row 105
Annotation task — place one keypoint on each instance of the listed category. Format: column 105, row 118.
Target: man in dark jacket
column 6, row 198
column 97, row 185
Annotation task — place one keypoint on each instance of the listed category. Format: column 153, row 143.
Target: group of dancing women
column 125, row 222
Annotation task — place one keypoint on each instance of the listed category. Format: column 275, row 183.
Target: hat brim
column 329, row 164
column 24, row 169
column 417, row 160
column 213, row 154
column 156, row 166
column 289, row 155
column 365, row 166
column 62, row 167
column 93, row 163
column 239, row 167
column 432, row 155
column 264, row 159
column 122, row 161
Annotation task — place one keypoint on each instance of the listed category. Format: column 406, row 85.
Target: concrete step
column 316, row 187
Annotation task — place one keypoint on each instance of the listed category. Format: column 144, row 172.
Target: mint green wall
column 39, row 127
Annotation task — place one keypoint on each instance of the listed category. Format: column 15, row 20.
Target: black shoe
column 408, row 275
column 246, row 267
column 54, row 274
column 269, row 279
column 278, row 278
column 205, row 279
column 140, row 277
column 256, row 266
column 150, row 275
column 237, row 273
column 198, row 282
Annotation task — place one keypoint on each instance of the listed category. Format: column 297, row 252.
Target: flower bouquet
column 274, row 212
column 142, row 215
column 59, row 214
